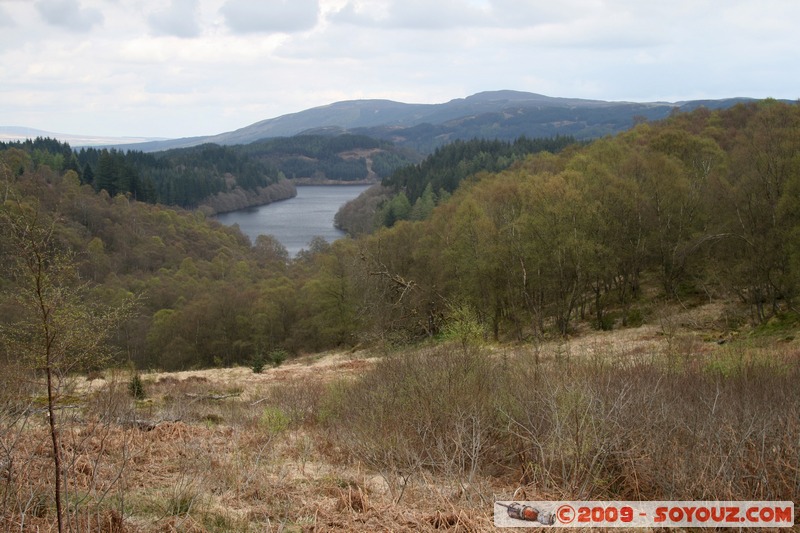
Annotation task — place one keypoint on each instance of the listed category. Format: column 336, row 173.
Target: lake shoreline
column 304, row 182
column 295, row 221
column 239, row 199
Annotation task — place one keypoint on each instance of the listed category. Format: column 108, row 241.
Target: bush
column 634, row 318
column 275, row 357
column 274, row 420
column 721, row 428
column 278, row 357
column 136, row 387
column 430, row 409
column 258, row 364
column 641, row 430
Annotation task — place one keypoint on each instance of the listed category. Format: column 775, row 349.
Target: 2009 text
column 643, row 514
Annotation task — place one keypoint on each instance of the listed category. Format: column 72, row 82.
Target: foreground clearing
column 423, row 439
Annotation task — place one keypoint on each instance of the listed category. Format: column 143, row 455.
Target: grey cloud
column 270, row 16
column 564, row 24
column 68, row 14
column 178, row 19
column 5, row 19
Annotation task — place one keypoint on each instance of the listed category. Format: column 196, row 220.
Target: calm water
column 296, row 221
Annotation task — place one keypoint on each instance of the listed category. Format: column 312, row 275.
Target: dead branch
column 196, row 396
column 259, row 401
column 400, row 283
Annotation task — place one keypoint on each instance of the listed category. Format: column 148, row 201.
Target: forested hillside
column 222, row 178
column 329, row 158
column 186, row 178
column 412, row 191
column 702, row 206
column 448, row 166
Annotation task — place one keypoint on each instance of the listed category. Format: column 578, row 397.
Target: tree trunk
column 56, row 448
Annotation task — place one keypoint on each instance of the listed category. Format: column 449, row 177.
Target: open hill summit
column 614, row 319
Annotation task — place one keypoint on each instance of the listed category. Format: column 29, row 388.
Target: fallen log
column 196, row 396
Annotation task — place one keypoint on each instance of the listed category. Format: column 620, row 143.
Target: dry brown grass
column 424, row 440
column 254, row 460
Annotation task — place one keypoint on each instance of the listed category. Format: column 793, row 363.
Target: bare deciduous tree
column 57, row 331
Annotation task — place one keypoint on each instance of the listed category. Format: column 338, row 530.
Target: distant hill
column 503, row 115
column 18, row 133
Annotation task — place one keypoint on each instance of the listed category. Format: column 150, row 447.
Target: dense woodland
column 515, row 123
column 411, row 192
column 183, row 177
column 339, row 158
column 448, row 166
column 189, row 177
column 703, row 205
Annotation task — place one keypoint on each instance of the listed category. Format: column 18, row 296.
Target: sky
column 178, row 68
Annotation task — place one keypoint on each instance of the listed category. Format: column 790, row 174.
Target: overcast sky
column 174, row 68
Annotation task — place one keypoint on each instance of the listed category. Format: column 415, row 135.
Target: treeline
column 704, row 205
column 324, row 157
column 39, row 151
column 184, row 177
column 316, row 146
column 189, row 177
column 582, row 123
column 412, row 191
column 449, row 165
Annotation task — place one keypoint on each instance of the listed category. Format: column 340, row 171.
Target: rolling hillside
column 503, row 115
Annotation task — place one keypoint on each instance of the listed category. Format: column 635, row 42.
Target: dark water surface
column 296, row 221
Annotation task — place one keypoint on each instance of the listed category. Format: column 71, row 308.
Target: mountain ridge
column 501, row 114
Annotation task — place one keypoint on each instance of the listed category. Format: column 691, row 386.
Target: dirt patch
column 320, row 368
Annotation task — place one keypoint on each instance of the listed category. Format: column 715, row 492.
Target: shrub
column 725, row 427
column 274, row 420
column 423, row 410
column 258, row 364
column 643, row 430
column 635, row 318
column 300, row 401
column 136, row 387
column 278, row 357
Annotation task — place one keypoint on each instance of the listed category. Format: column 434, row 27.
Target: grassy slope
column 231, row 450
